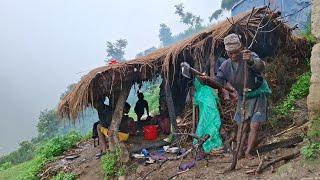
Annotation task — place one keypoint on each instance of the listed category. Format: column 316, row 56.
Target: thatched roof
column 205, row 45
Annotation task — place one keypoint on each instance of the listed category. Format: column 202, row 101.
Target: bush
column 152, row 96
column 57, row 145
column 24, row 153
column 311, row 151
column 65, row 176
column 5, row 166
column 111, row 164
column 306, row 33
column 48, row 152
column 299, row 90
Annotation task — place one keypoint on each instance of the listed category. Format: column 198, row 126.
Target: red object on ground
column 150, row 132
column 113, row 61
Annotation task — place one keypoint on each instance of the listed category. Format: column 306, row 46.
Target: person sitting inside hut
column 163, row 118
column 232, row 71
column 105, row 117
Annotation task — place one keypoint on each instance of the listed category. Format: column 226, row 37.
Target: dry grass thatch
column 103, row 81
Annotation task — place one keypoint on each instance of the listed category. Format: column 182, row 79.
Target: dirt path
column 294, row 169
column 84, row 165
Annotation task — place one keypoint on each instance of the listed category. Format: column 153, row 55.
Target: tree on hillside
column 48, row 124
column 194, row 22
column 116, row 50
column 146, row 52
column 187, row 33
column 165, row 35
column 187, row 17
column 215, row 15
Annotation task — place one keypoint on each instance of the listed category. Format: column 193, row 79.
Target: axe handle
column 215, row 84
column 196, row 72
column 212, row 82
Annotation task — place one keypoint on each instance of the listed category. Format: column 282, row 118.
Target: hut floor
column 137, row 143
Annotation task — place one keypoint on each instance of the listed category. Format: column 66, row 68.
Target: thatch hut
column 272, row 37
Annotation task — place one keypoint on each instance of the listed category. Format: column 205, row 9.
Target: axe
column 187, row 70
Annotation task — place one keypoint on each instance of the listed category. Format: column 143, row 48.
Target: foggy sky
column 45, row 45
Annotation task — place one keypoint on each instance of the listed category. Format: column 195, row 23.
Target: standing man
column 140, row 106
column 232, row 71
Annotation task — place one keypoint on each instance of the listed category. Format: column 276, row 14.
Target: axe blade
column 185, row 69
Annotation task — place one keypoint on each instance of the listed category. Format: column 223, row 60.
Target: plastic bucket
column 150, row 132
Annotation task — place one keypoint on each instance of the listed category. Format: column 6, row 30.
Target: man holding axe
column 243, row 70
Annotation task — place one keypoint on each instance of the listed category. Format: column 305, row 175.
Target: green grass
column 152, row 96
column 15, row 171
column 64, row 176
column 44, row 154
column 111, row 164
column 311, row 150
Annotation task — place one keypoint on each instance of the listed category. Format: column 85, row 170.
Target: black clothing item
column 124, row 125
column 105, row 115
column 139, row 108
column 95, row 133
column 95, row 130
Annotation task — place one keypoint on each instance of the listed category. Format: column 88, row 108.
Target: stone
column 315, row 18
column 314, row 91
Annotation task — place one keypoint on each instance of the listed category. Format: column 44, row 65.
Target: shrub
column 311, row 151
column 111, row 164
column 306, row 33
column 299, row 90
column 5, row 166
column 48, row 152
column 65, row 176
column 24, row 153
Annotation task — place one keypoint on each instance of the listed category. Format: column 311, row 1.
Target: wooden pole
column 170, row 105
column 212, row 66
column 117, row 116
column 243, row 119
column 193, row 111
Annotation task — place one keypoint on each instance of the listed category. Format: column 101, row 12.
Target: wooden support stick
column 280, row 144
column 192, row 91
column 170, row 105
column 287, row 130
column 283, row 158
column 117, row 116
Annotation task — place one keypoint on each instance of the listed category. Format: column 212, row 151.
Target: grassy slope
column 15, row 171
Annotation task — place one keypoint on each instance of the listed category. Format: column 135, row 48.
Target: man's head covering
column 232, row 42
